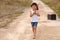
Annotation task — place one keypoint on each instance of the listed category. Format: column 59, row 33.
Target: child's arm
column 37, row 14
column 31, row 14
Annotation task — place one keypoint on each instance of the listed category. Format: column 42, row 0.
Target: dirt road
column 20, row 29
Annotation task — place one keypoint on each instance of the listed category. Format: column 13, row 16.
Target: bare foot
column 34, row 37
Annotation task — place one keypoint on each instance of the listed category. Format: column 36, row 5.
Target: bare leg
column 34, row 31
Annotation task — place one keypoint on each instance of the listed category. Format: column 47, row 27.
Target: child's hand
column 34, row 12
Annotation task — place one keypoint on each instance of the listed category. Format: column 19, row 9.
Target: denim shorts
column 34, row 24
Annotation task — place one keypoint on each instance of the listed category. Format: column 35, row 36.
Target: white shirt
column 34, row 18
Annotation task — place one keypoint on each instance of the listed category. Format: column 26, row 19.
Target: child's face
column 34, row 7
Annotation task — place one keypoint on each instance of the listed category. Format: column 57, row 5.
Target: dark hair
column 35, row 5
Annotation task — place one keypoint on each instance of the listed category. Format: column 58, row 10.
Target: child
column 34, row 18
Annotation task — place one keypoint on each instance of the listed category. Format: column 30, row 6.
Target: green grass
column 54, row 4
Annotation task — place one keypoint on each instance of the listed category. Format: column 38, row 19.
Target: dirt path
column 20, row 29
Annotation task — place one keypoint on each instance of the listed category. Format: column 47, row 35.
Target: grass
column 10, row 9
column 16, row 2
column 54, row 4
column 5, row 20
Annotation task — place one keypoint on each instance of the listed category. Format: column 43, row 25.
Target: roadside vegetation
column 54, row 4
column 11, row 9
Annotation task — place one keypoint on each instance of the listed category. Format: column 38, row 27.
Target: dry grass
column 54, row 4
column 10, row 9
column 16, row 2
